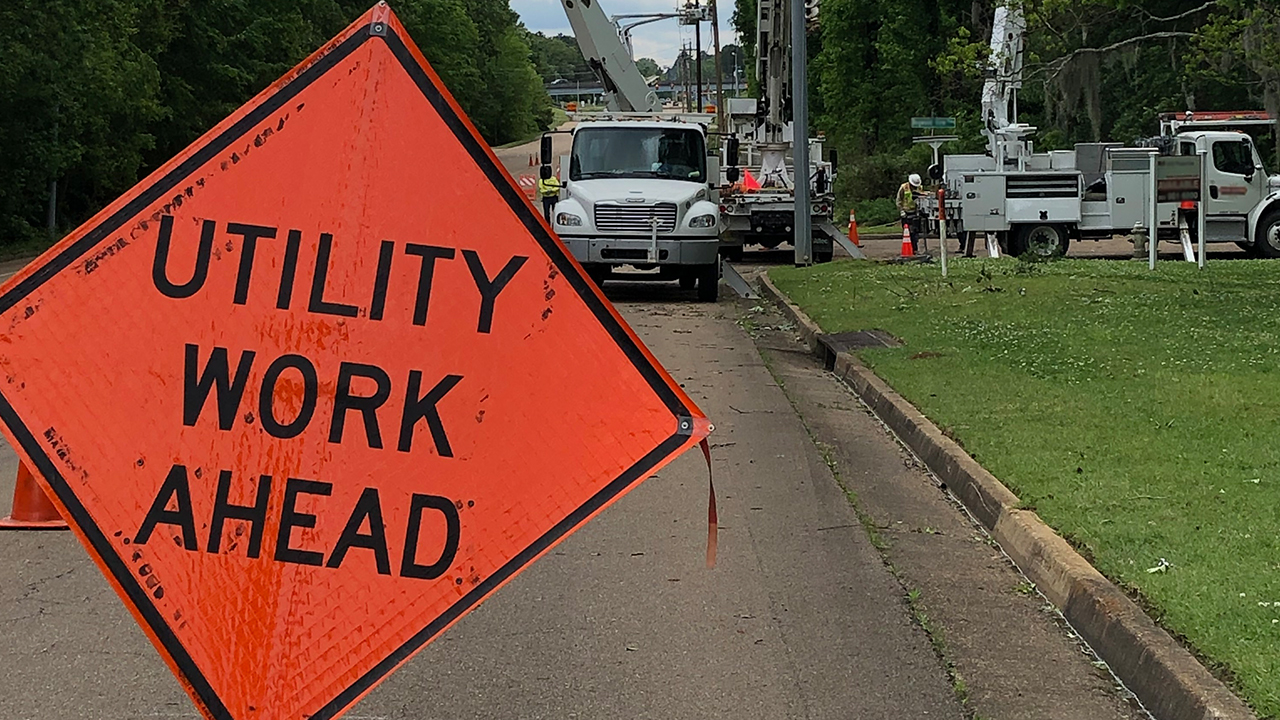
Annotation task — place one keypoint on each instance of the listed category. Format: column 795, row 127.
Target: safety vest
column 549, row 187
column 907, row 196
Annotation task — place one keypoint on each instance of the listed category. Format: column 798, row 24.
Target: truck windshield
column 639, row 152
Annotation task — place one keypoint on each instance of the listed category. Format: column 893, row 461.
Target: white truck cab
column 644, row 193
column 1242, row 203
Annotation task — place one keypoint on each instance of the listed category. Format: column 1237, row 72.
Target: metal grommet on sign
column 378, row 28
column 685, row 426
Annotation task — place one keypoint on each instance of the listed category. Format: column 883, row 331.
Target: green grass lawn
column 1138, row 413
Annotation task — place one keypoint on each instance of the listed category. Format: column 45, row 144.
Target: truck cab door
column 1236, row 181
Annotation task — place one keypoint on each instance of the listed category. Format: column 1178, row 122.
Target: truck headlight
column 568, row 220
column 703, row 221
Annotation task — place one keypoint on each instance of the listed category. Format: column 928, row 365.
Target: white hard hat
column 914, row 180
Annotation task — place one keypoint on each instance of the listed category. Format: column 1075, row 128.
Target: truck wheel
column 688, row 279
column 823, row 256
column 708, row 283
column 1041, row 241
column 1267, row 243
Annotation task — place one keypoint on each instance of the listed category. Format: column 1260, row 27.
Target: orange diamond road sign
column 322, row 383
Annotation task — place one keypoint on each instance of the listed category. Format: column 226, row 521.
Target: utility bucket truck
column 1202, row 174
column 640, row 188
column 763, row 212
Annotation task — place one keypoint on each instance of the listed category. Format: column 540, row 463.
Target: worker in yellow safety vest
column 908, row 201
column 549, row 191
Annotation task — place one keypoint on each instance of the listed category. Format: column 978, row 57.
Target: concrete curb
column 1168, row 680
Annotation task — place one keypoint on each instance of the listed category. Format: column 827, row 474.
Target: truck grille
column 635, row 218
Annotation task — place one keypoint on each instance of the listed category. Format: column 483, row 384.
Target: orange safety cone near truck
column 853, row 228
column 32, row 509
column 907, row 251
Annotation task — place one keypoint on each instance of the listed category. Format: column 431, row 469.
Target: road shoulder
column 1007, row 650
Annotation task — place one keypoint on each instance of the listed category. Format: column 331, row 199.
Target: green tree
column 95, row 93
column 78, row 91
column 506, row 104
column 648, row 67
column 558, row 58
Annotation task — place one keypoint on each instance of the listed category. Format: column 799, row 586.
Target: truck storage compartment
column 1043, row 198
column 983, row 198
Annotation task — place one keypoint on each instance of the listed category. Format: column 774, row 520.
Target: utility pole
column 697, row 39
column 715, row 38
column 800, row 132
column 688, row 80
column 51, row 213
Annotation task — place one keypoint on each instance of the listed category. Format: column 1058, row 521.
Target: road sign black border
column 115, row 563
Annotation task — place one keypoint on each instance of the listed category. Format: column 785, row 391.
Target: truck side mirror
column 731, row 151
column 732, row 173
column 935, row 171
column 835, row 161
column 820, row 182
column 544, row 172
column 546, row 150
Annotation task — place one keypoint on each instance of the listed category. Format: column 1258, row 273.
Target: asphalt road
column 801, row 618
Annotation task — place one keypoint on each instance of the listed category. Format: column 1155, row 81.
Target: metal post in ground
column 1153, row 226
column 942, row 228
column 1200, row 214
column 800, row 133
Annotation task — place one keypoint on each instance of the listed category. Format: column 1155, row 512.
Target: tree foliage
column 1096, row 70
column 96, row 93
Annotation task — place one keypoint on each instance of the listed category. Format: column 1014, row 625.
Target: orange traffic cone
column 907, row 251
column 530, row 161
column 31, row 507
column 853, row 228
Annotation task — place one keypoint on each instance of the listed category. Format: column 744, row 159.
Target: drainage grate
column 841, row 342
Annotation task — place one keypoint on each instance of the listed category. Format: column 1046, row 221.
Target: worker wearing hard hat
column 549, row 191
column 908, row 200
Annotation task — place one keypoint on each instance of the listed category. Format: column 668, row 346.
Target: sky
column 660, row 40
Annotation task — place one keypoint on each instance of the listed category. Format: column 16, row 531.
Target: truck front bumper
column 593, row 250
column 739, row 230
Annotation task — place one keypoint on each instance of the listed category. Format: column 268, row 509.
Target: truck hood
column 640, row 191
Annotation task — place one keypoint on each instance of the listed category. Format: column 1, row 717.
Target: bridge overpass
column 569, row 88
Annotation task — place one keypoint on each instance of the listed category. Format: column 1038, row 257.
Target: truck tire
column 708, row 283
column 688, row 280
column 1267, row 242
column 732, row 253
column 823, row 256
column 1041, row 241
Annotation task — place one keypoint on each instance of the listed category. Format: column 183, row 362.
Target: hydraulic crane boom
column 1005, row 135
column 773, row 68
column 609, row 56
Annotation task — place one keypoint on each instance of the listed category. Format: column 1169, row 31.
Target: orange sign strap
column 305, row 413
column 713, row 518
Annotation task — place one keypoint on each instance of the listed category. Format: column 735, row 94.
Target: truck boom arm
column 1005, row 135
column 610, row 58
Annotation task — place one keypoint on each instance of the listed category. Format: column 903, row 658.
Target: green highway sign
column 933, row 123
